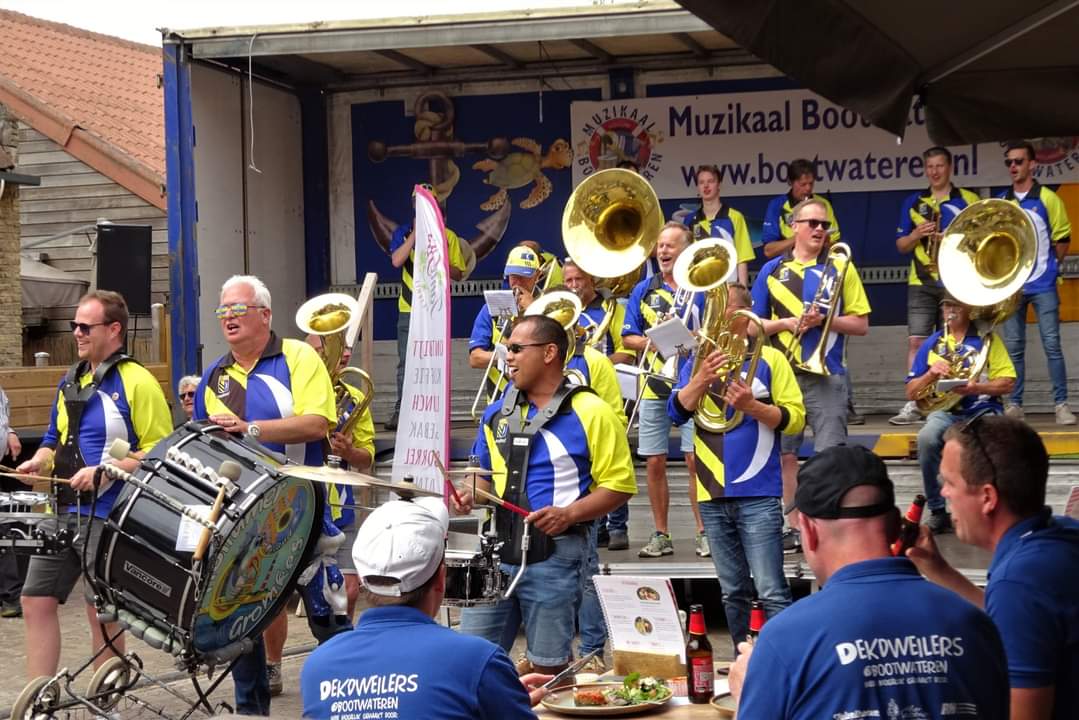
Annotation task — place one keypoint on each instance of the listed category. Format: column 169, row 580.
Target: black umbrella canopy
column 985, row 70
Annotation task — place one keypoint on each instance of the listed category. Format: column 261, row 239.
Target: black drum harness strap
column 69, row 459
column 515, row 448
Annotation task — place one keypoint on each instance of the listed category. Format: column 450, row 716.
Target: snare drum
column 267, row 530
column 27, row 501
column 473, row 576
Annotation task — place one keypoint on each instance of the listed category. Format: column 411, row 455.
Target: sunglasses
column 237, row 310
column 1008, row 162
column 516, row 348
column 814, row 223
column 85, row 328
column 189, row 395
column 970, row 427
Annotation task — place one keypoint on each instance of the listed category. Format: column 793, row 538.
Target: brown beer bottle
column 700, row 671
column 908, row 528
column 756, row 620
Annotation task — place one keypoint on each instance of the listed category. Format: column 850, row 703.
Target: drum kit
column 199, row 553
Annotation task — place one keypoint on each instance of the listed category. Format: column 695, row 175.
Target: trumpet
column 986, row 255
column 826, row 300
column 335, row 317
column 932, row 241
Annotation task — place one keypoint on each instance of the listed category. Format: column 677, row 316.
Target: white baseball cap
column 401, row 541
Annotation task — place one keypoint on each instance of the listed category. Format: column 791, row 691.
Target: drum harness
column 515, row 447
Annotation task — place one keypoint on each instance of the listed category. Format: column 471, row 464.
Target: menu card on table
column 642, row 621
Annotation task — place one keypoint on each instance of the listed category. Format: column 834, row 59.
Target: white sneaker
column 1015, row 411
column 1064, row 415
column 909, row 415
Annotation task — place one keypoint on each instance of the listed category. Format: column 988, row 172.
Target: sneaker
column 594, row 665
column 940, row 522
column 702, row 546
column 11, row 609
column 659, row 545
column 909, row 415
column 792, row 540
column 1015, row 411
column 273, row 672
column 603, row 537
column 619, row 540
column 524, row 665
column 1064, row 415
column 391, row 424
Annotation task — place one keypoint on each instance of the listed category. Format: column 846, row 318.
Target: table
column 679, row 707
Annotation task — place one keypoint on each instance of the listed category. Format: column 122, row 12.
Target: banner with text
column 753, row 136
column 423, row 428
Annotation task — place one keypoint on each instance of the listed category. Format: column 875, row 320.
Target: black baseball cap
column 827, row 476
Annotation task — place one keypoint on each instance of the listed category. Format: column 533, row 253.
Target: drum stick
column 502, row 503
column 5, row 470
column 446, row 478
column 207, row 533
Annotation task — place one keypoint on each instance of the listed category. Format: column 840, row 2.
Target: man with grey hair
column 398, row 656
column 785, row 296
column 240, row 391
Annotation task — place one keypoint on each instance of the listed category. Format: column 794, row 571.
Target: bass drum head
column 258, row 563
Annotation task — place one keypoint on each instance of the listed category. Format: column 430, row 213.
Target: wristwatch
column 254, row 430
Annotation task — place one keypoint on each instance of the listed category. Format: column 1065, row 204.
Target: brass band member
column 777, row 234
column 739, row 478
column 567, row 467
column 714, row 218
column 923, row 216
column 584, row 285
column 783, row 297
column 944, row 354
column 104, row 396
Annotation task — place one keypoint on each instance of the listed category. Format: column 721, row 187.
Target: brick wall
column 10, row 286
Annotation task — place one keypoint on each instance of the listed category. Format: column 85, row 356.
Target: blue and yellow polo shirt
column 363, row 438
column 1046, row 210
column 130, row 405
column 650, row 300
column 776, row 226
column 785, row 287
column 729, row 224
column 457, row 260
column 744, row 461
column 581, row 448
column 612, row 339
column 997, row 365
column 919, row 208
column 599, row 374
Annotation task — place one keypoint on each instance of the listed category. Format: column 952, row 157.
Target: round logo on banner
column 616, row 135
column 1048, row 151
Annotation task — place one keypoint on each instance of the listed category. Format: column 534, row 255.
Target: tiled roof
column 104, row 85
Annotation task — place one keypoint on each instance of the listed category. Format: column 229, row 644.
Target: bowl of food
column 632, row 696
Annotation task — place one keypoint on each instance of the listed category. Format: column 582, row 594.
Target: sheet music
column 670, row 337
column 500, row 303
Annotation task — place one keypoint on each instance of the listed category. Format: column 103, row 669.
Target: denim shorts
column 654, row 434
column 923, row 309
column 825, row 398
column 55, row 575
column 545, row 600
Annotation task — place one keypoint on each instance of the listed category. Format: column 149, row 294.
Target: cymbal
column 470, row 471
column 338, row 476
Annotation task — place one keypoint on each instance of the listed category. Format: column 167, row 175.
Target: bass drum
column 266, row 533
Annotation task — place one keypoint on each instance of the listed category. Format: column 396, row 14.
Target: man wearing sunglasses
column 558, row 451
column 278, row 392
column 1050, row 219
column 923, row 216
column 105, row 396
column 938, row 360
column 402, row 255
column 783, row 296
column 994, row 471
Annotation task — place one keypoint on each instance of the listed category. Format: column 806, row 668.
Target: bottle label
column 703, row 679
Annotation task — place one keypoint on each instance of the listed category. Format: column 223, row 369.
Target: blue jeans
column 930, row 447
column 404, row 319
column 545, row 599
column 617, row 520
column 746, row 536
column 1047, row 311
column 590, row 622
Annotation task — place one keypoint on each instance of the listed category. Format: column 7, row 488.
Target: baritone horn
column 564, row 307
column 827, row 300
column 986, row 255
column 335, row 317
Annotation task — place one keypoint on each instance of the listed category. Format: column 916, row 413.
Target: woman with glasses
column 185, row 391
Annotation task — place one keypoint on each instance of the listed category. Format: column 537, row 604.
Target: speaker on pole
column 123, row 263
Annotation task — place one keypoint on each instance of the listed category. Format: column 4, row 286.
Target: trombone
column 827, row 300
column 986, row 255
column 500, row 383
column 335, row 317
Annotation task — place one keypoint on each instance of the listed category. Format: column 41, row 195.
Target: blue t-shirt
column 398, row 663
column 877, row 641
column 1033, row 597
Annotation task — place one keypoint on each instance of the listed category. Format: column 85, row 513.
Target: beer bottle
column 756, row 620
column 908, row 528
column 700, row 671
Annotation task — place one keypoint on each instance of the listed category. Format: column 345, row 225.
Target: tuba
column 335, row 317
column 986, row 255
column 564, row 307
column 826, row 300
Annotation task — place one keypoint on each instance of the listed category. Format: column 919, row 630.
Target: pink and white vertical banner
column 423, row 429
